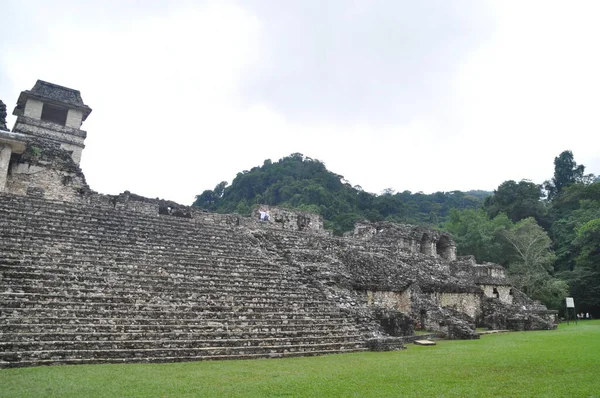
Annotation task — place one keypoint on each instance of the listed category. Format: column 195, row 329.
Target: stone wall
column 33, row 109
column 501, row 292
column 5, row 155
column 74, row 118
column 45, row 170
column 411, row 238
column 292, row 220
column 280, row 218
column 399, row 301
column 467, row 303
column 69, row 138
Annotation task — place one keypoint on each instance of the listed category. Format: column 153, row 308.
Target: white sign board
column 570, row 302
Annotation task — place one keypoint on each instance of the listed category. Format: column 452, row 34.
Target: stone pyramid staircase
column 92, row 284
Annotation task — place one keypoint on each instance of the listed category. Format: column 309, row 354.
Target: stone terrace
column 93, row 284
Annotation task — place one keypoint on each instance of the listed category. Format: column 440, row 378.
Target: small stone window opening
column 495, row 292
column 510, row 292
column 54, row 114
column 443, row 248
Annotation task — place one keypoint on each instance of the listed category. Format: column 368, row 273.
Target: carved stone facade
column 93, row 278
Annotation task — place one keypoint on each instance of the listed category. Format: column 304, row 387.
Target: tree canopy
column 517, row 200
column 300, row 182
column 566, row 172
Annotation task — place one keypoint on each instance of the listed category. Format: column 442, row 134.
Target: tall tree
column 530, row 268
column 566, row 172
column 530, row 245
column 517, row 200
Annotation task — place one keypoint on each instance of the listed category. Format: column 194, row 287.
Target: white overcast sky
column 410, row 95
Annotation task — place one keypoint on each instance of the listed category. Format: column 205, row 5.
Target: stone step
column 162, row 311
column 84, row 345
column 280, row 353
column 142, row 279
column 275, row 331
column 91, row 324
column 200, row 270
column 172, row 291
column 17, row 254
column 92, row 251
column 148, row 318
column 102, row 304
column 76, row 246
column 94, row 284
column 115, row 225
column 16, row 356
column 110, row 294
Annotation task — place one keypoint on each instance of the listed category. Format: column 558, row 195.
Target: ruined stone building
column 93, row 278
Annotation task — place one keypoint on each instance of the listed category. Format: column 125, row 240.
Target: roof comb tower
column 53, row 113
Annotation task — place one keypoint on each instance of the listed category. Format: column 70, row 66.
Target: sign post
column 571, row 304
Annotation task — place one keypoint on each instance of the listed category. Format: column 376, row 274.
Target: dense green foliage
column 559, row 363
column 517, row 200
column 303, row 183
column 475, row 233
column 551, row 246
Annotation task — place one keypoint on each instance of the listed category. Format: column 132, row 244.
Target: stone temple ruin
column 93, row 278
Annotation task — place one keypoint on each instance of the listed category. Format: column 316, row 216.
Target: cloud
column 347, row 62
column 422, row 96
column 532, row 91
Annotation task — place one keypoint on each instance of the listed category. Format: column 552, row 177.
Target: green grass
column 561, row 363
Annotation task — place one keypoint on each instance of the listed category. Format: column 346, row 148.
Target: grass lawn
column 561, row 363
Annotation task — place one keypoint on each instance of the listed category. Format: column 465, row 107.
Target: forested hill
column 303, row 183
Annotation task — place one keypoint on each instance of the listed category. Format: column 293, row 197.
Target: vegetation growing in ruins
column 559, row 363
column 33, row 151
